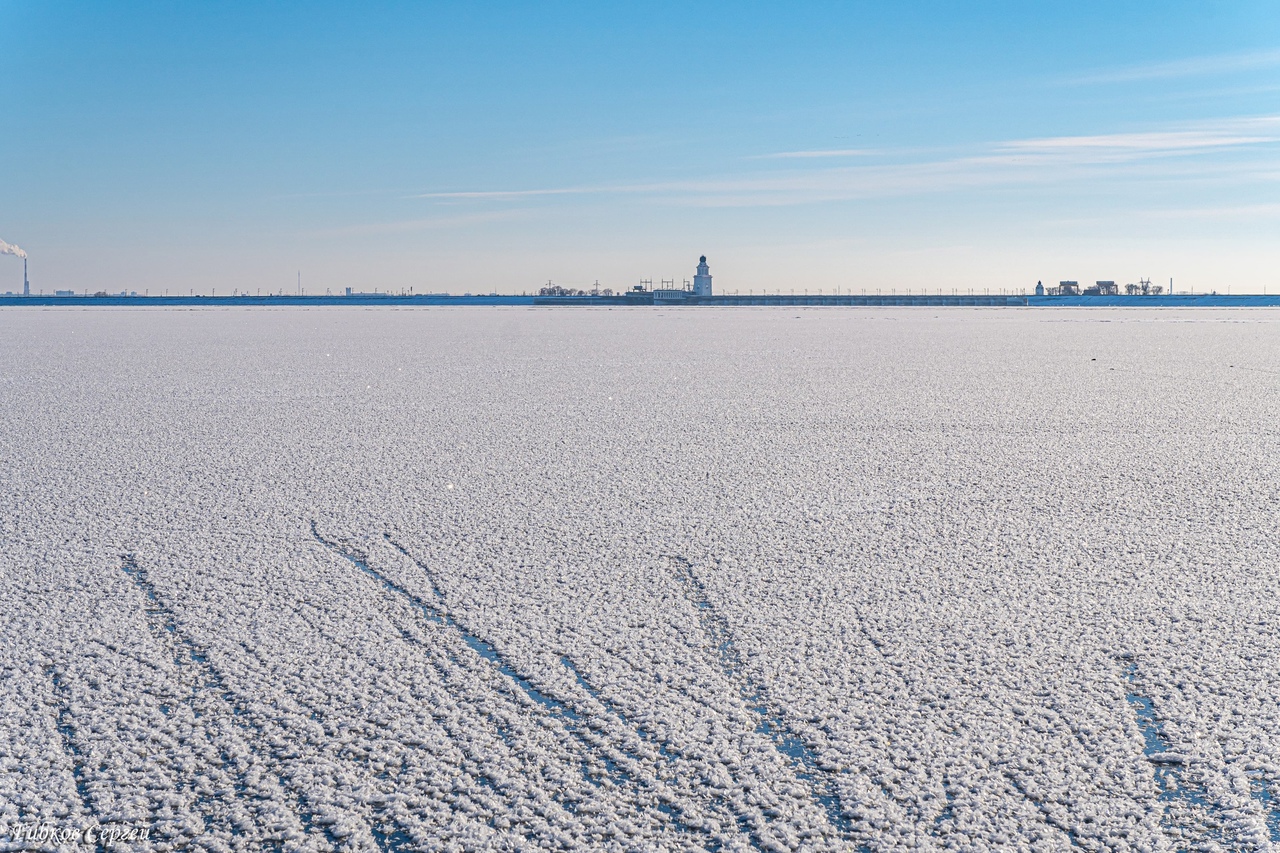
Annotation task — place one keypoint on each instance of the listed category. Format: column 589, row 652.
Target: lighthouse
column 702, row 281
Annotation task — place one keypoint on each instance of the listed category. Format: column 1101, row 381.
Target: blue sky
column 451, row 146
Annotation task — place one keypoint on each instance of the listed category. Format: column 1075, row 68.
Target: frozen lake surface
column 721, row 579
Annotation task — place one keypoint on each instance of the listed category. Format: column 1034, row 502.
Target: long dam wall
column 648, row 299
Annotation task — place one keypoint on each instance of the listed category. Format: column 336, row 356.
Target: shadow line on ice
column 206, row 681
column 571, row 721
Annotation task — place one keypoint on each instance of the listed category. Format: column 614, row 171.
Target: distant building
column 64, row 293
column 1039, row 288
column 1068, row 288
column 702, row 281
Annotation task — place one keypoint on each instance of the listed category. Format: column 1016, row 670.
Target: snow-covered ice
column 686, row 579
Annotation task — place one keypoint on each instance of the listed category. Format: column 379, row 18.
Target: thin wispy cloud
column 1200, row 151
column 1179, row 140
column 1197, row 66
column 1242, row 212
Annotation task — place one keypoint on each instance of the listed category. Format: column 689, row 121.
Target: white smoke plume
column 6, row 249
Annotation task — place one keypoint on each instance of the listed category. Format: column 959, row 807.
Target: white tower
column 702, row 281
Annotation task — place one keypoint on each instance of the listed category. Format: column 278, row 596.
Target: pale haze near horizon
column 455, row 148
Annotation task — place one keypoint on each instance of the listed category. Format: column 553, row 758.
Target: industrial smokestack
column 7, row 249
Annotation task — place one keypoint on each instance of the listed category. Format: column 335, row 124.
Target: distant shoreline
column 1206, row 300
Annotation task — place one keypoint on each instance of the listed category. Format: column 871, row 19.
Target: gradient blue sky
column 494, row 146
